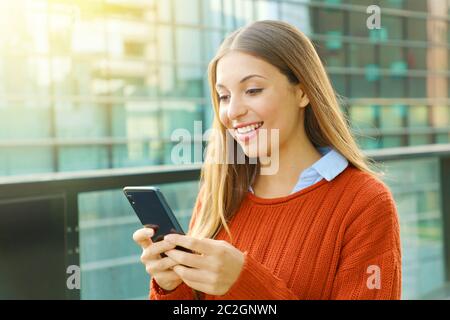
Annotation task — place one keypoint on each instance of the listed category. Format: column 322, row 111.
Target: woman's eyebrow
column 218, row 85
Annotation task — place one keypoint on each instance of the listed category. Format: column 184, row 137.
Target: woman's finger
column 168, row 276
column 192, row 274
column 143, row 237
column 162, row 265
column 199, row 286
column 154, row 251
column 190, row 259
column 206, row 246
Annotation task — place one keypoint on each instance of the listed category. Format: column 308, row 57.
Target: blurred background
column 92, row 90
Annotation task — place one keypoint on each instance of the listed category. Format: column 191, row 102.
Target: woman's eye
column 221, row 98
column 253, row 91
column 249, row 91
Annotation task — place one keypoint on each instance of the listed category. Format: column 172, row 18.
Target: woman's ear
column 302, row 97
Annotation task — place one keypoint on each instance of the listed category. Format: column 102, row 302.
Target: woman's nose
column 236, row 109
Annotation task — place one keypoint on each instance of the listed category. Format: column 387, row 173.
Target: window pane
column 361, row 87
column 299, row 15
column 212, row 41
column 329, row 20
column 417, row 87
column 358, row 25
column 417, row 29
column 83, row 158
column 392, row 86
column 391, row 57
column 266, row 10
column 393, row 26
column 363, row 117
column 339, row 83
column 331, row 52
column 164, row 38
column 212, row 13
column 181, row 81
column 188, row 45
column 187, row 12
column 392, row 116
column 417, row 58
column 361, row 55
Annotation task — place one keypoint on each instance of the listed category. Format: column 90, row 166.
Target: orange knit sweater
column 336, row 239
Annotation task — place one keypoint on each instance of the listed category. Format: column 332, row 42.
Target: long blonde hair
column 223, row 185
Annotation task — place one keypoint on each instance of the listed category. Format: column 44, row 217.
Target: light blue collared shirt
column 329, row 166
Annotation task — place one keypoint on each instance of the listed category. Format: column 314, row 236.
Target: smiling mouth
column 250, row 128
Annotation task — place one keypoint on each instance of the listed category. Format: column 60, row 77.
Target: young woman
column 322, row 226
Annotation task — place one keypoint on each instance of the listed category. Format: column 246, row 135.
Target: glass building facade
column 96, row 84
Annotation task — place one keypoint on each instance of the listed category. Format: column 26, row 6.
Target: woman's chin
column 252, row 152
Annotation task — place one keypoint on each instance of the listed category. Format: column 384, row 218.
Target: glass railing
column 109, row 258
column 416, row 187
column 91, row 225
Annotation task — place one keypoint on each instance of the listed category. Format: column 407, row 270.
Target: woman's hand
column 213, row 270
column 159, row 268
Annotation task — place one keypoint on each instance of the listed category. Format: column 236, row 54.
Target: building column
column 437, row 61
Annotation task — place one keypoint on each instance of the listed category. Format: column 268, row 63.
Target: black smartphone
column 153, row 211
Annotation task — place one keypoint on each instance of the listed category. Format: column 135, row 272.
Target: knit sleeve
column 183, row 291
column 256, row 282
column 370, row 262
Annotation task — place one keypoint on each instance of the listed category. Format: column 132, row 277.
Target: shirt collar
column 329, row 166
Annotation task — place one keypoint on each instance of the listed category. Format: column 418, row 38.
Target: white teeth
column 249, row 128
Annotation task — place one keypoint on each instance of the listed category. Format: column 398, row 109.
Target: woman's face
column 256, row 98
